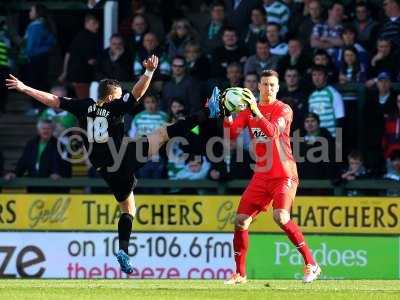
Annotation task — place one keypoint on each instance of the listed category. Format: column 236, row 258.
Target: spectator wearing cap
column 365, row 26
column 391, row 27
column 385, row 60
column 326, row 101
column 314, row 164
column 262, row 60
column 327, row 35
column 379, row 105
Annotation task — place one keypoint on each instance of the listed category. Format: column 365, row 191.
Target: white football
column 234, row 99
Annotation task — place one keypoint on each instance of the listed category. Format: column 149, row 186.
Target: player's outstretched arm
column 13, row 83
column 143, row 83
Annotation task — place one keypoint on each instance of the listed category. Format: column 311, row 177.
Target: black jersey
column 103, row 125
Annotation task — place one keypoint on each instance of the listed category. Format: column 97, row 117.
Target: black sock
column 124, row 230
column 183, row 127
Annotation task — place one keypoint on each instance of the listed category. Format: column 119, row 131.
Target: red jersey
column 270, row 138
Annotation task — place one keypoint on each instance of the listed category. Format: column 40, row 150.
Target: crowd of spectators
column 317, row 47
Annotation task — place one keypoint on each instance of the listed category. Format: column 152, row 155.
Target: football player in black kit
column 114, row 156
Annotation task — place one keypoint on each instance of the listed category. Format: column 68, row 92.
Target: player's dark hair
column 355, row 154
column 269, row 73
column 107, row 86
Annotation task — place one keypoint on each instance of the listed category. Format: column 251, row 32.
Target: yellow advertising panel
column 195, row 214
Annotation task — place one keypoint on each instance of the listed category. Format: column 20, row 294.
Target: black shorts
column 121, row 178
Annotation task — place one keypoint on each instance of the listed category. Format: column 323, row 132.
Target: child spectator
column 196, row 168
column 355, row 170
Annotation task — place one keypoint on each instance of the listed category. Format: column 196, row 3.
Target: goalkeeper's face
column 269, row 87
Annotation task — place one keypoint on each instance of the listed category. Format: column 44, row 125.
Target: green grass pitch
column 20, row 289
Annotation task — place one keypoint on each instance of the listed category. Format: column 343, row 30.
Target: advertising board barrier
column 192, row 255
column 172, row 213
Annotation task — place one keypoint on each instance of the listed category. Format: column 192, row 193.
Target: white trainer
column 311, row 273
column 236, row 279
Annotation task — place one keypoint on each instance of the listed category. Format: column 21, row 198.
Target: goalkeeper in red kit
column 275, row 177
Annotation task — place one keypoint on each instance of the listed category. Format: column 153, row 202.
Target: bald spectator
column 149, row 47
column 139, row 27
column 41, row 158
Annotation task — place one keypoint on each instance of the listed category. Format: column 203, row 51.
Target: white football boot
column 311, row 273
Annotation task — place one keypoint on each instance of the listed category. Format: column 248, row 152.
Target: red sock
column 240, row 246
column 296, row 237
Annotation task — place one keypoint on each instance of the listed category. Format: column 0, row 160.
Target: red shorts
column 261, row 191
